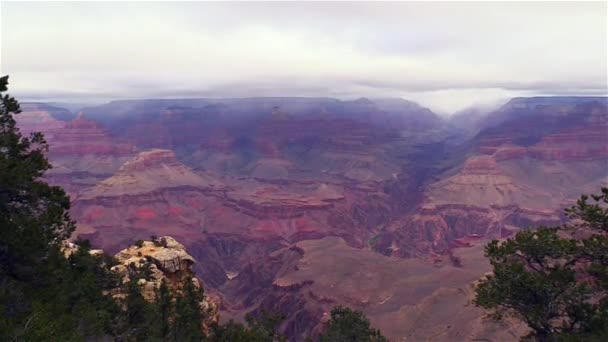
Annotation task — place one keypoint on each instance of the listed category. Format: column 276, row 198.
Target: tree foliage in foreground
column 260, row 328
column 347, row 325
column 33, row 215
column 43, row 294
column 555, row 279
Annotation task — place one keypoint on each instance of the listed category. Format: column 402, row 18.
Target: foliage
column 260, row 328
column 139, row 313
column 173, row 315
column 43, row 294
column 66, row 301
column 348, row 325
column 555, row 279
column 33, row 215
column 188, row 317
column 165, row 310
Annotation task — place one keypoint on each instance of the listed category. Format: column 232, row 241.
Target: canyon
column 300, row 204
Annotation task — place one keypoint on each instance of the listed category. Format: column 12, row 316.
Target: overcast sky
column 446, row 56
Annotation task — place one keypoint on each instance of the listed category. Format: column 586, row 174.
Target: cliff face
column 35, row 119
column 82, row 136
column 154, row 193
column 246, row 183
column 81, row 150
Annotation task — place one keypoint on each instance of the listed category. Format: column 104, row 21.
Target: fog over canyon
column 314, row 154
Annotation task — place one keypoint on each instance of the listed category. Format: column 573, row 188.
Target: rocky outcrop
column 168, row 255
column 68, row 248
column 167, row 261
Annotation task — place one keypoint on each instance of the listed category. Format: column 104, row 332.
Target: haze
column 446, row 56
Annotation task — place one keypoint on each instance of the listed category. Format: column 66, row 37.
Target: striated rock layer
column 147, row 172
column 269, row 193
column 82, row 136
column 82, row 152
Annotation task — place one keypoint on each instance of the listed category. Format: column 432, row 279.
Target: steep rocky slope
column 532, row 159
column 264, row 191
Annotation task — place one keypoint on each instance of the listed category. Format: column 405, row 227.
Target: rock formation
column 81, row 150
column 168, row 261
column 253, row 188
column 33, row 119
column 147, row 172
column 82, row 136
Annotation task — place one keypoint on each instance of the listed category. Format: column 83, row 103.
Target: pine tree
column 33, row 215
column 165, row 310
column 43, row 295
column 260, row 328
column 346, row 325
column 557, row 284
column 140, row 316
column 188, row 319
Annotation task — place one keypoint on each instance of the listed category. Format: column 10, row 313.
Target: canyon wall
column 268, row 193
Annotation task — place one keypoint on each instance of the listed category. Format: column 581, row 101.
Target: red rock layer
column 581, row 143
column 39, row 121
column 87, row 137
column 481, row 165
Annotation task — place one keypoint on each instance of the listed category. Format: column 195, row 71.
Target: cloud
column 442, row 54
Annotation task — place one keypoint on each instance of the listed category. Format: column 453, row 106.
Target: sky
column 446, row 56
